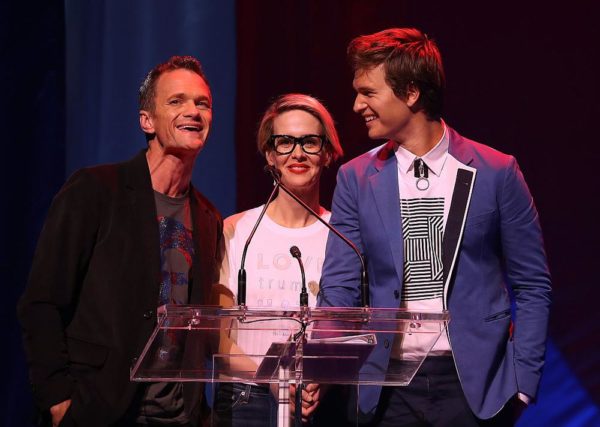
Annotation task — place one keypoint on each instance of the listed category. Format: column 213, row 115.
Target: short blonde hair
column 298, row 101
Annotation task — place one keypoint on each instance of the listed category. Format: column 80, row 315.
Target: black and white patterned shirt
column 424, row 210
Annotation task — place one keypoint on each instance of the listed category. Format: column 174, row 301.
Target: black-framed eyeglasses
column 310, row 144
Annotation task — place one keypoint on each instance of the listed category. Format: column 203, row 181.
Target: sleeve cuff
column 524, row 398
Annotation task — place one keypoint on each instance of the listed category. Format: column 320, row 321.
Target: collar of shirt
column 434, row 159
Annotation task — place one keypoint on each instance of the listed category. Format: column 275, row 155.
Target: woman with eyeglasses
column 297, row 137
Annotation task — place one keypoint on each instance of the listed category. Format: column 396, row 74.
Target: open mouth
column 369, row 118
column 189, row 128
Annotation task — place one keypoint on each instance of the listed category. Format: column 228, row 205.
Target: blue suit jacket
column 499, row 258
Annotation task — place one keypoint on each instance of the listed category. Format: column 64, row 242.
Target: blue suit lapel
column 458, row 149
column 459, row 207
column 384, row 185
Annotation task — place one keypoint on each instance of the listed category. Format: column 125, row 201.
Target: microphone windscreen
column 295, row 252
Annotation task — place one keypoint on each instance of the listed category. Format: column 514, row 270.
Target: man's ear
column 146, row 122
column 412, row 95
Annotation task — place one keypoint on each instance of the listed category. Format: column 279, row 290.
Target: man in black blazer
column 120, row 240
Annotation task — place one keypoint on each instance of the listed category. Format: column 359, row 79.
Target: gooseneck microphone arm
column 303, row 293
column 364, row 279
column 304, row 304
column 241, row 295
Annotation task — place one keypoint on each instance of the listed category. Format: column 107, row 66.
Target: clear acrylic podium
column 281, row 347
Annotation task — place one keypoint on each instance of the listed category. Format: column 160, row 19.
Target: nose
column 359, row 104
column 191, row 110
column 298, row 152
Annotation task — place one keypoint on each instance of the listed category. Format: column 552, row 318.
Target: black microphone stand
column 241, row 297
column 364, row 279
column 299, row 337
column 303, row 293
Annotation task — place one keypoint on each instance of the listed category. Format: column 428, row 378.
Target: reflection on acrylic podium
column 285, row 347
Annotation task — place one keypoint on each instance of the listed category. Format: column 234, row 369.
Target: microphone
column 241, row 295
column 303, row 294
column 364, row 279
column 303, row 303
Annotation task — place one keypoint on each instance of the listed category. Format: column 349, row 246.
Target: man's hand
column 520, row 403
column 310, row 400
column 58, row 412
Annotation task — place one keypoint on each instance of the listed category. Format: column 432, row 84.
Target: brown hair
column 147, row 91
column 298, row 101
column 409, row 58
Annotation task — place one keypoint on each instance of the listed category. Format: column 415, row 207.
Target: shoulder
column 364, row 164
column 481, row 156
column 243, row 217
column 109, row 176
column 88, row 192
column 325, row 214
column 91, row 183
column 240, row 220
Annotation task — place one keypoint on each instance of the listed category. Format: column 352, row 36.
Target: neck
column 287, row 212
column 170, row 174
column 421, row 135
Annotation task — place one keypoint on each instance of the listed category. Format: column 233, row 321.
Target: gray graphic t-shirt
column 163, row 402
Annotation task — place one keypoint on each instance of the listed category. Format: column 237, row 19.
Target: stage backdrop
column 521, row 78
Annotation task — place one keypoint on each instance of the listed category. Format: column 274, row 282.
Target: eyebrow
column 183, row 95
column 364, row 88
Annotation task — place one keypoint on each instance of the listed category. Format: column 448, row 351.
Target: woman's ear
column 328, row 159
column 270, row 156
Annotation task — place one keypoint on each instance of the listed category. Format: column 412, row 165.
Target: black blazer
column 90, row 304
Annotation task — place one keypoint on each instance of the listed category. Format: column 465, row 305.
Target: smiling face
column 385, row 115
column 182, row 113
column 299, row 171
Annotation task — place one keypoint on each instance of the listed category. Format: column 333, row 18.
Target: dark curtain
column 521, row 78
column 33, row 162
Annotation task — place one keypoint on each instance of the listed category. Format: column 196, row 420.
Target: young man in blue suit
column 445, row 223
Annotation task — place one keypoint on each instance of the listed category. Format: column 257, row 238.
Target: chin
column 302, row 185
column 373, row 134
column 293, row 182
column 377, row 135
column 185, row 150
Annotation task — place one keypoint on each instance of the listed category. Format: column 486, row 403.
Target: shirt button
column 396, row 294
column 148, row 314
column 386, row 343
